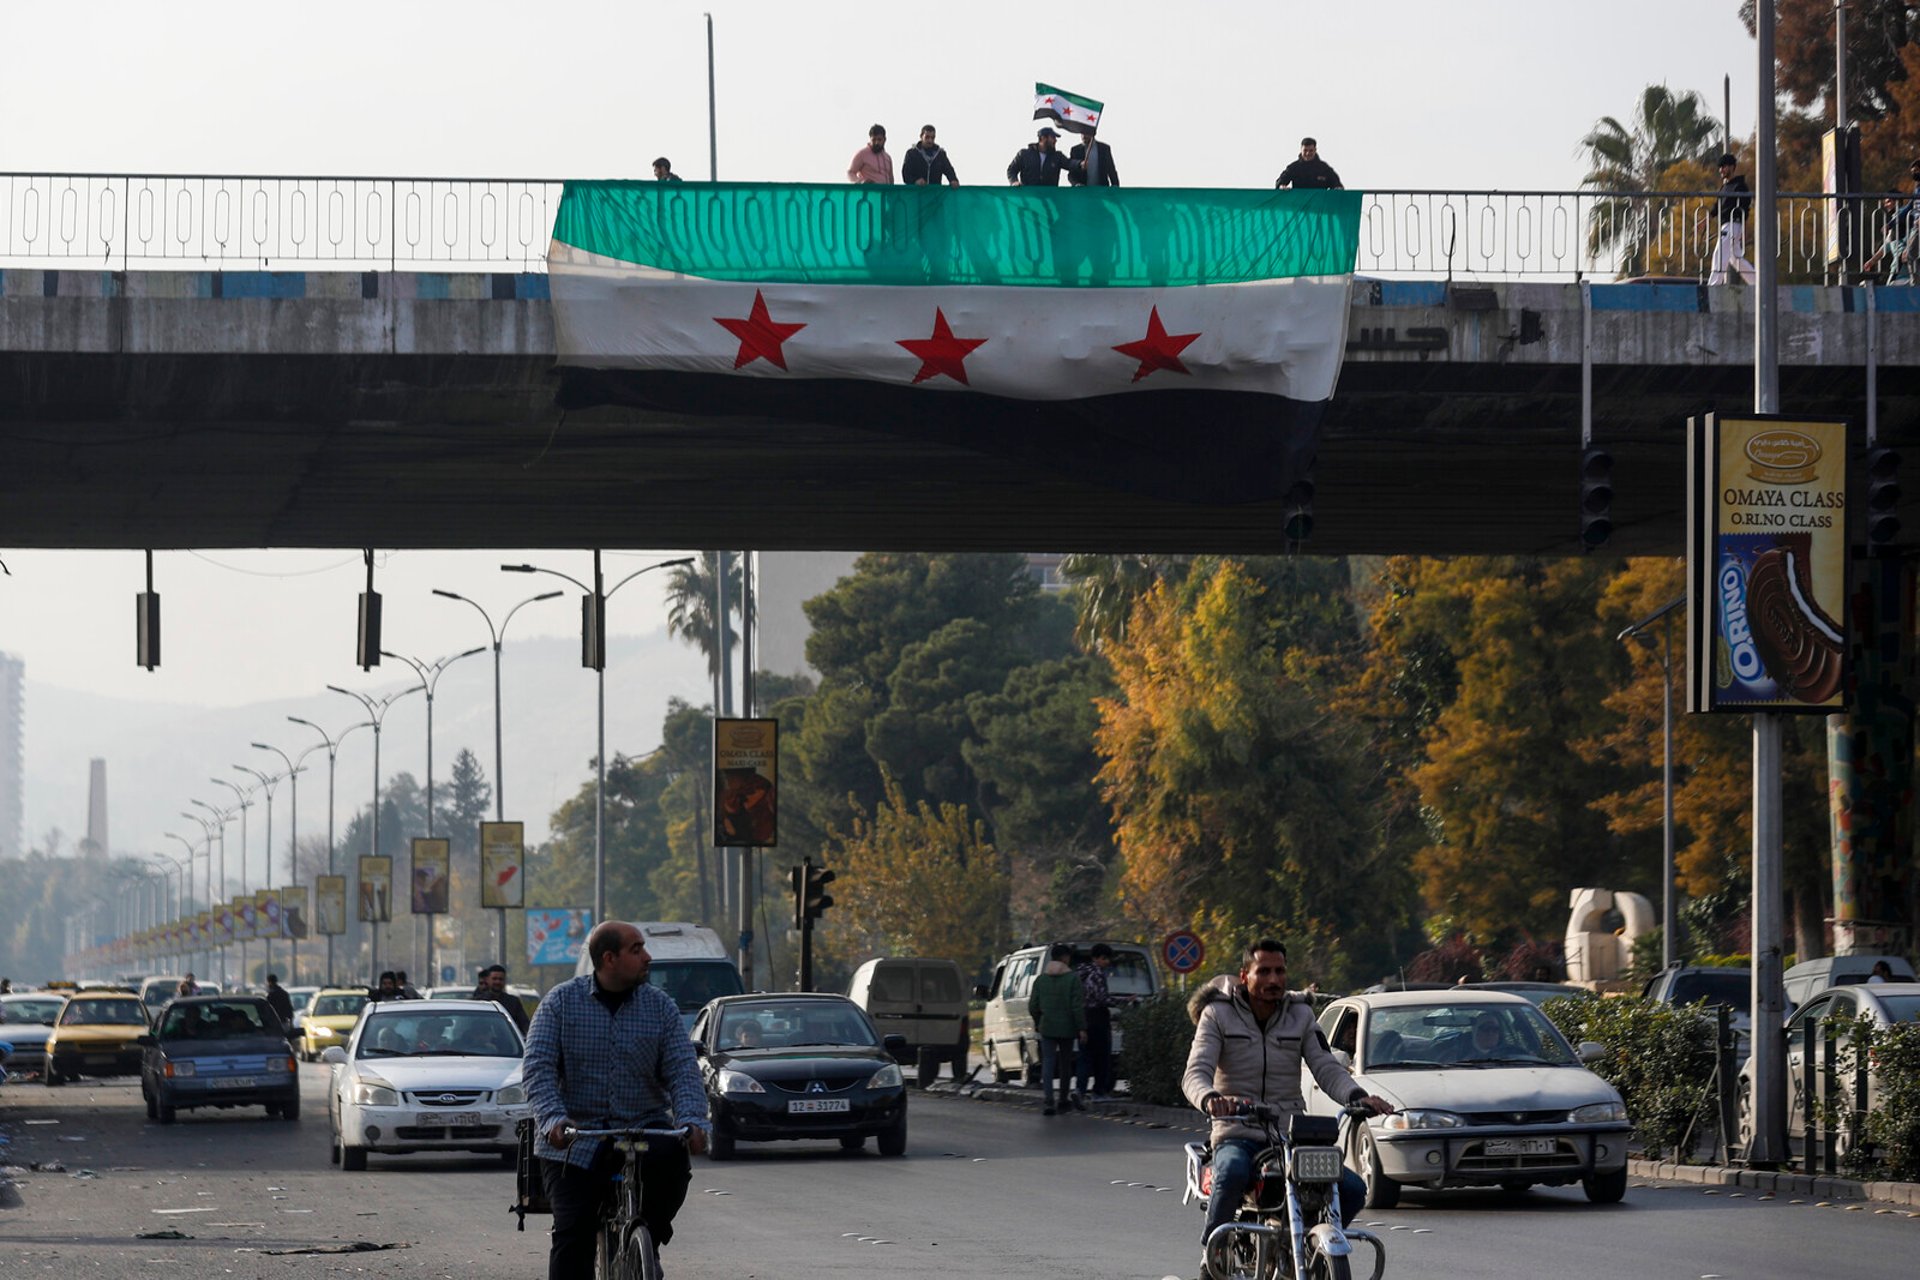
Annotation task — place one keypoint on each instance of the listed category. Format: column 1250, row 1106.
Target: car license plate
column 1520, row 1146
column 439, row 1119
column 235, row 1082
column 814, row 1106
column 99, row 1059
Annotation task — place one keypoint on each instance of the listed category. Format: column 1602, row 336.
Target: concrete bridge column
column 1870, row 767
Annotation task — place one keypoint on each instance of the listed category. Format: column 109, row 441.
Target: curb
column 1818, row 1188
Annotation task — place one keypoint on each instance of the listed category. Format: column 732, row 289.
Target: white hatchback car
column 419, row 1075
column 1489, row 1093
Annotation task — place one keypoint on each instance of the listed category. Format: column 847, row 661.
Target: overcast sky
column 1474, row 94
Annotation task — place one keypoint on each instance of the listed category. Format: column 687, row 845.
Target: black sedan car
column 799, row 1066
column 218, row 1051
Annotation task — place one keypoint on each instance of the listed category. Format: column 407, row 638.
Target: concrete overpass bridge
column 310, row 374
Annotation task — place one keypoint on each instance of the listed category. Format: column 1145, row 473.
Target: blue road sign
column 1183, row 951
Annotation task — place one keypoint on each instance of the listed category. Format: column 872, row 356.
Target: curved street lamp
column 332, row 746
column 376, row 713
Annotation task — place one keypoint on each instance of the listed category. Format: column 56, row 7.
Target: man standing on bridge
column 1309, row 172
column 1731, row 210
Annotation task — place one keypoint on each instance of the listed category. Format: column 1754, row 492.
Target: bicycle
column 624, row 1247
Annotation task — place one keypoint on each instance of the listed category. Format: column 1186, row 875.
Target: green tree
column 1878, row 33
column 1667, row 131
column 1105, row 589
column 465, row 804
column 690, row 604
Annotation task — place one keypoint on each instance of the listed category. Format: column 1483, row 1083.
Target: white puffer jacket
column 1233, row 1054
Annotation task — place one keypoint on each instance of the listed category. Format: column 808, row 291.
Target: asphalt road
column 987, row 1189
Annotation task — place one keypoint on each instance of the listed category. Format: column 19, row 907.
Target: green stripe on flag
column 1046, row 237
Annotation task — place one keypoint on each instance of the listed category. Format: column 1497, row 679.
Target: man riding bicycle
column 607, row 1050
column 1249, row 1040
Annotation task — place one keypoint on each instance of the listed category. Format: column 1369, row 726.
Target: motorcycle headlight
column 375, row 1093
column 1598, row 1112
column 738, row 1082
column 887, row 1077
column 1401, row 1121
column 511, row 1095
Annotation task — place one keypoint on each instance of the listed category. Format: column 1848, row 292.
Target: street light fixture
column 206, row 879
column 1669, row 909
column 594, row 651
column 499, row 635
column 267, row 783
column 221, row 817
column 376, row 713
column 333, row 755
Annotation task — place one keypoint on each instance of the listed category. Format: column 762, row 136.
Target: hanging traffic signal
column 798, row 875
column 1883, row 498
column 1596, row 498
column 1298, row 522
column 814, row 897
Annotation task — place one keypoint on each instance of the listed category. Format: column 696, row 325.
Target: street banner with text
column 330, row 905
column 746, row 758
column 293, row 911
column 266, row 915
column 376, row 889
column 503, row 853
column 430, row 887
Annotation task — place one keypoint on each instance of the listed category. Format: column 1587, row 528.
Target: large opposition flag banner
column 1181, row 343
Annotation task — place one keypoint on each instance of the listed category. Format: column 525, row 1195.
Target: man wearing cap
column 1309, row 172
column 871, row 163
column 1037, row 164
column 1731, row 211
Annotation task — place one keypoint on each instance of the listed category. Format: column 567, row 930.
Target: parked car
column 1009, row 1042
column 427, row 1075
column 923, row 1000
column 1690, row 984
column 1487, row 1093
column 792, row 1066
column 328, row 1020
column 1810, row 977
column 690, row 963
column 26, row 1022
column 218, row 1051
column 1882, row 1003
column 96, row 1034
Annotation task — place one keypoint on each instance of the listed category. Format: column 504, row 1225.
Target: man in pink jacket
column 871, row 163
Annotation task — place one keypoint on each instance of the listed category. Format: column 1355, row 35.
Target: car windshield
column 36, row 1011
column 463, row 1033
column 1735, row 990
column 336, row 1006
column 783, row 1024
column 693, row 983
column 158, row 994
column 299, row 999
column 104, row 1013
column 1446, row 1034
column 227, row 1020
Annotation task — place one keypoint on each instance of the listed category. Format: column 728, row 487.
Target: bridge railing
column 158, row 222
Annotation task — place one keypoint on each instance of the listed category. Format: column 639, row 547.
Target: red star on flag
column 760, row 334
column 942, row 353
column 1158, row 350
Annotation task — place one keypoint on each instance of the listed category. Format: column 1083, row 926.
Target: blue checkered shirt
column 600, row 1070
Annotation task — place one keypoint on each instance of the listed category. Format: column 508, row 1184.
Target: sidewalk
column 1898, row 1195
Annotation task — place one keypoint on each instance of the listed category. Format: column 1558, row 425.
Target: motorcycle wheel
column 1321, row 1267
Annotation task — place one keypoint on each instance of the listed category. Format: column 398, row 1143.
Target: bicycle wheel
column 638, row 1261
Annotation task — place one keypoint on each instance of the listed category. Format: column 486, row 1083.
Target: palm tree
column 1668, row 130
column 1108, row 587
column 690, row 604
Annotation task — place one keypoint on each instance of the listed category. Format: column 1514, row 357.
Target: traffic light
column 814, row 898
column 1883, row 497
column 1596, row 498
column 799, row 877
column 593, row 631
column 1298, row 525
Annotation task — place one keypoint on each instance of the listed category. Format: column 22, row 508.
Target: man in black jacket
column 1090, row 164
column 927, row 163
column 1309, row 172
column 280, row 1002
column 1037, row 164
column 493, row 986
column 1730, row 253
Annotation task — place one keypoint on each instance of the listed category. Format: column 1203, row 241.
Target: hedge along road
column 985, row 1189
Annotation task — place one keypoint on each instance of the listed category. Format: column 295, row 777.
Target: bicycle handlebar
column 573, row 1132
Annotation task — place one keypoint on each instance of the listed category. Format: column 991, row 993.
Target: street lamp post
column 499, row 635
column 293, row 849
column 333, row 754
column 594, row 647
column 221, row 818
column 430, row 673
column 267, row 784
column 186, row 895
column 206, row 845
column 376, row 714
column 244, row 802
column 1669, row 908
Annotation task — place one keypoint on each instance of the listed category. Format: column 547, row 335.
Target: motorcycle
column 1289, row 1224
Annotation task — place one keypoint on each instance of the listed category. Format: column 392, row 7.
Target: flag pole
column 713, row 132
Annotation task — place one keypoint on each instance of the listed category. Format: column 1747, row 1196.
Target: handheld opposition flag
column 1068, row 110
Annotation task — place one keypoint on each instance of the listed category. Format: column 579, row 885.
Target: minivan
column 1009, row 1043
column 689, row 963
column 1810, row 977
column 922, row 999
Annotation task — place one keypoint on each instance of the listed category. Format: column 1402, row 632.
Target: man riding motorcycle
column 1249, row 1040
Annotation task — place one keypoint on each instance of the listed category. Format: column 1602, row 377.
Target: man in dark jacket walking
column 926, row 164
column 1309, row 172
column 1037, row 164
column 493, row 986
column 280, row 1002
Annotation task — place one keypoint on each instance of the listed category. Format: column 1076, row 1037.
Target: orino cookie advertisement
column 1767, row 573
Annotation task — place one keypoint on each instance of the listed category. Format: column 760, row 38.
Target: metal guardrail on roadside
column 181, row 222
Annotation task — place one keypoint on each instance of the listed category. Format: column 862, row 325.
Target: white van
column 1809, row 978
column 924, row 1000
column 1009, row 1043
column 689, row 963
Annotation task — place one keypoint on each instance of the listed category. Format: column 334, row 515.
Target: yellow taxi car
column 328, row 1019
column 95, row 1035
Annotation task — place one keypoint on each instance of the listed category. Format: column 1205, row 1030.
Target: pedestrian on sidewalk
column 1059, row 1012
column 280, row 1002
column 1095, row 1078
